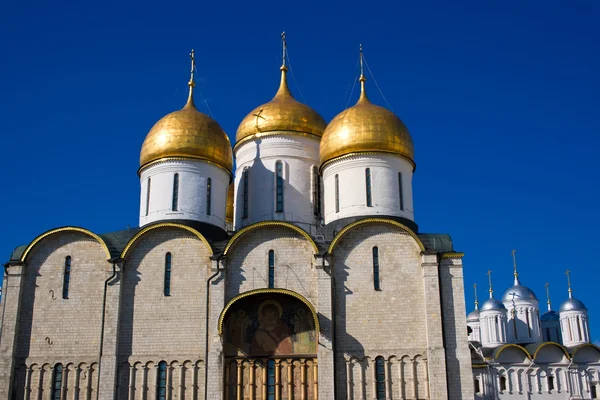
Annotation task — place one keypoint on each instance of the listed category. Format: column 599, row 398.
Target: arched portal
column 270, row 341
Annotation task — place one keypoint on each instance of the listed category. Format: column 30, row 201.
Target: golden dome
column 282, row 113
column 365, row 127
column 229, row 204
column 188, row 133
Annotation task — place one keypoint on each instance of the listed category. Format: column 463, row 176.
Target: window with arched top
column 593, row 391
column 168, row 266
column 502, row 383
column 550, row 383
column 148, row 196
column 337, row 193
column 57, row 376
column 66, row 277
column 376, row 268
column 400, row 194
column 208, row 195
column 316, row 189
column 161, row 381
column 271, row 269
column 279, row 185
column 368, row 187
column 477, row 386
column 380, row 377
column 245, row 188
column 528, row 323
column 175, row 202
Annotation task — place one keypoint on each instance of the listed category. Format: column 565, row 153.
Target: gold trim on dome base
column 544, row 344
column 273, row 133
column 131, row 241
column 365, row 153
column 64, row 229
column 257, row 225
column 345, row 230
column 503, row 347
column 579, row 347
column 183, row 158
column 266, row 291
column 453, row 254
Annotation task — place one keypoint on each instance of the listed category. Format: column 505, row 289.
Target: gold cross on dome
column 257, row 115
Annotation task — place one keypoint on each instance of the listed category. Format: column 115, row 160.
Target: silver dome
column 550, row 316
column 492, row 304
column 473, row 316
column 521, row 293
column 572, row 305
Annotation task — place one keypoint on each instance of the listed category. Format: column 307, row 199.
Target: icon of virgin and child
column 269, row 329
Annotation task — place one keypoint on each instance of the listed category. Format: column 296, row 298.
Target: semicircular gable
column 235, row 238
column 586, row 353
column 550, row 352
column 55, row 231
column 147, row 229
column 511, row 353
column 355, row 224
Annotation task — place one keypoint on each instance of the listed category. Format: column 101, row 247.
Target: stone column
column 325, row 340
column 214, row 361
column 11, row 305
column 436, row 354
column 458, row 356
column 108, row 367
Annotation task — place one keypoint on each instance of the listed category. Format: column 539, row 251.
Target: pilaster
column 458, row 356
column 214, row 358
column 11, row 304
column 436, row 354
column 325, row 340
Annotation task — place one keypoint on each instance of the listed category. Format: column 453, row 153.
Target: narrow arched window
column 271, row 379
column 161, row 381
column 66, row 277
column 337, row 193
column 477, row 386
column 316, row 191
column 376, row 268
column 528, row 323
column 168, row 263
column 148, row 196
column 400, row 193
column 550, row 383
column 208, row 195
column 502, row 383
column 279, row 183
column 175, row 203
column 368, row 185
column 245, row 193
column 380, row 378
column 579, row 328
column 271, row 269
column 593, row 392
column 514, row 322
column 57, row 382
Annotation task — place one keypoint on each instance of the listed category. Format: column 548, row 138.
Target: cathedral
column 300, row 274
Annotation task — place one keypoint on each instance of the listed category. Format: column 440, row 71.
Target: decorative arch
column 284, row 292
column 141, row 233
column 506, row 346
column 346, row 229
column 565, row 352
column 581, row 346
column 259, row 225
column 64, row 229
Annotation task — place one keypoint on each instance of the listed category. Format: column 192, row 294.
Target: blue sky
column 501, row 100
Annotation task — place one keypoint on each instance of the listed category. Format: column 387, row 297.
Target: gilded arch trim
column 506, row 346
column 566, row 353
column 64, row 229
column 164, row 225
column 345, row 230
column 273, row 291
column 258, row 225
column 581, row 346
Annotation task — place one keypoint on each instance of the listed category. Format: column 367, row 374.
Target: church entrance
column 270, row 344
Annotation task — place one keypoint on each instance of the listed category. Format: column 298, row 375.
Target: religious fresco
column 269, row 325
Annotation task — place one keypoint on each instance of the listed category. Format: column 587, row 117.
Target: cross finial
column 515, row 273
column 489, row 274
column 568, row 274
column 476, row 302
column 547, row 286
column 362, row 79
column 362, row 68
column 283, row 49
column 191, row 83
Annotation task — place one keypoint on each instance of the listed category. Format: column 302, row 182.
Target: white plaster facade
column 575, row 328
column 352, row 189
column 299, row 155
column 192, row 197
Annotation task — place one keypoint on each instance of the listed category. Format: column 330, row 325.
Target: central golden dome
column 363, row 128
column 282, row 113
column 188, row 133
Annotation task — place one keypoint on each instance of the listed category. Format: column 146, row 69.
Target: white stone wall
column 298, row 155
column 523, row 322
column 384, row 187
column 192, row 198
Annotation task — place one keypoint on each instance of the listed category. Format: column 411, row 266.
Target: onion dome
column 365, row 128
column 473, row 316
column 550, row 316
column 188, row 133
column 492, row 304
column 229, row 204
column 282, row 113
column 572, row 304
column 520, row 293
